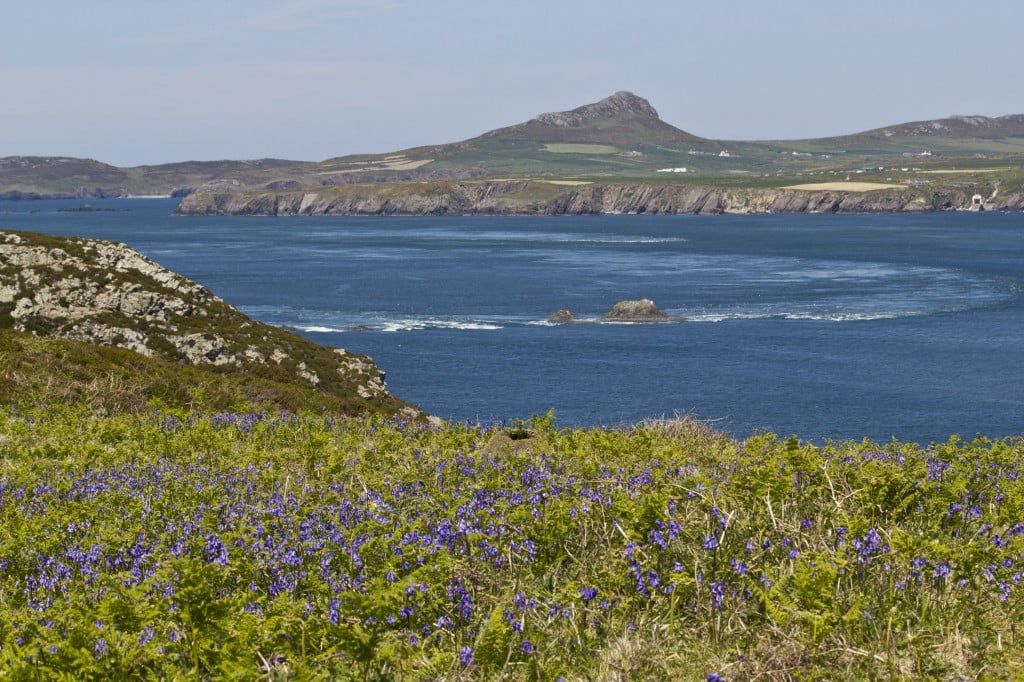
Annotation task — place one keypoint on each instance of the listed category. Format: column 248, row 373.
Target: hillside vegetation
column 174, row 545
column 111, row 298
column 37, row 370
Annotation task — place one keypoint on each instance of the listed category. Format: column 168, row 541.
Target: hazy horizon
column 312, row 79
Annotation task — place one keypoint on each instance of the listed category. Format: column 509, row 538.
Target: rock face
column 563, row 317
column 620, row 103
column 107, row 294
column 525, row 197
column 643, row 310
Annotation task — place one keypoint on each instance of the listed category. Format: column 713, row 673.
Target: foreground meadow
column 173, row 546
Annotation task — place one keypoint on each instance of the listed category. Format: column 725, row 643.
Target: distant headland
column 612, row 156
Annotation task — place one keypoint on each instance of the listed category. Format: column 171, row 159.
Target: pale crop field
column 844, row 186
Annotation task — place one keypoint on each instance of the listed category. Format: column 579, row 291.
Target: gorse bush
column 253, row 545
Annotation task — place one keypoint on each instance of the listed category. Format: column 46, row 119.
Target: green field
column 579, row 149
column 253, row 545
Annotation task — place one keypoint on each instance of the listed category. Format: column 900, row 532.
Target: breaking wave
column 401, row 325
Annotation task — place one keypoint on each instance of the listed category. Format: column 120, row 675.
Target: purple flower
column 713, row 677
column 466, row 656
column 710, row 542
column 215, row 552
column 588, row 593
column 718, row 594
column 529, row 647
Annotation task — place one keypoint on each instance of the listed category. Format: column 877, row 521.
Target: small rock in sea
column 360, row 328
column 643, row 310
column 563, row 317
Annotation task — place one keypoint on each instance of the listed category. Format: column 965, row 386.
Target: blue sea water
column 836, row 326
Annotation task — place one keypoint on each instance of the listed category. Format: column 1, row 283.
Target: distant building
column 671, row 170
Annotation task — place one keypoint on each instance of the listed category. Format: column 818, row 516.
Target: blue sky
column 145, row 82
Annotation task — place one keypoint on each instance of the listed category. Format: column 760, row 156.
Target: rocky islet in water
column 642, row 311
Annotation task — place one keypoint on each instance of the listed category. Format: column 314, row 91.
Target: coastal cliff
column 108, row 295
column 533, row 197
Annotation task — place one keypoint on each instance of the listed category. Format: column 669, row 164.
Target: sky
column 133, row 82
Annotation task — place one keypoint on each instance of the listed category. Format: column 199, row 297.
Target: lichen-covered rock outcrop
column 107, row 294
column 643, row 310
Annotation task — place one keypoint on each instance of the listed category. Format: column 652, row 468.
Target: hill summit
column 622, row 119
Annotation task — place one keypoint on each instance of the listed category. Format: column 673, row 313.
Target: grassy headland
column 39, row 369
column 93, row 319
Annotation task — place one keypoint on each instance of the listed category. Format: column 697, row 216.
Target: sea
column 823, row 326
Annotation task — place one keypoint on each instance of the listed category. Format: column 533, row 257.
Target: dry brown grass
column 397, row 163
column 683, row 426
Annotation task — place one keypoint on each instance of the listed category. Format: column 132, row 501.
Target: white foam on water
column 321, row 329
column 721, row 317
column 416, row 324
column 613, row 240
column 854, row 317
column 812, row 316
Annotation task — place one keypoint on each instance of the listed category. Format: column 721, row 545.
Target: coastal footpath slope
column 530, row 197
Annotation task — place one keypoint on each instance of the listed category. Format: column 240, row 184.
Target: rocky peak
column 621, row 103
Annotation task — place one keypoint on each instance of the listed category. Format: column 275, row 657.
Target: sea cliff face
column 527, row 197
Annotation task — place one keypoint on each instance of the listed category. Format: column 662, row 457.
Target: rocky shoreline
column 529, row 197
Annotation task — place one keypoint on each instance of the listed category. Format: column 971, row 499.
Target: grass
column 175, row 544
column 39, row 369
column 579, row 149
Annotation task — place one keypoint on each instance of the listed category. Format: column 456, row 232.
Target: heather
column 254, row 545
